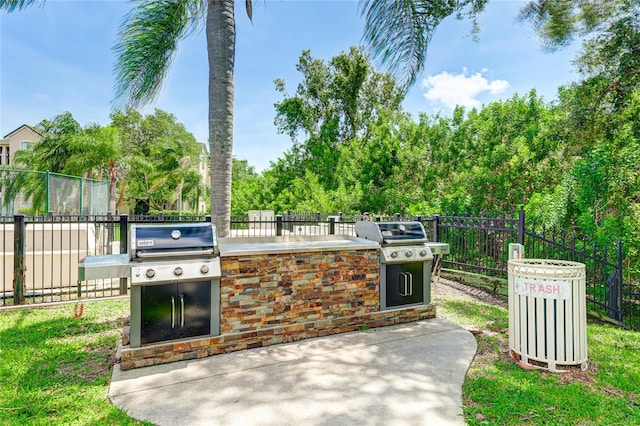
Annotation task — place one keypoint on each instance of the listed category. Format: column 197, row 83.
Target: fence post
column 207, row 218
column 19, row 268
column 436, row 232
column 521, row 226
column 279, row 225
column 332, row 225
column 47, row 205
column 109, row 233
column 124, row 243
column 620, row 282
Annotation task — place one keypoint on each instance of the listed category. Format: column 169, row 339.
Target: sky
column 58, row 57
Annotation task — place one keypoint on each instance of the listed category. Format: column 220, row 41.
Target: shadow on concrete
column 409, row 374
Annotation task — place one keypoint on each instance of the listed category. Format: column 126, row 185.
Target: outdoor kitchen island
column 283, row 289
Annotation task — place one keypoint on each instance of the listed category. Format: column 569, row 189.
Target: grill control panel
column 405, row 254
column 175, row 271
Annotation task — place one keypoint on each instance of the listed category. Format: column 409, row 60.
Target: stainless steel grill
column 405, row 261
column 174, row 252
column 175, row 280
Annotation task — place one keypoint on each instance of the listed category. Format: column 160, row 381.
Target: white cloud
column 460, row 89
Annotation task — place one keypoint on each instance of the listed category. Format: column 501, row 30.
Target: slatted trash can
column 547, row 313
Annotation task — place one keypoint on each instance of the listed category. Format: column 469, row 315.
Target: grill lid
column 173, row 240
column 392, row 233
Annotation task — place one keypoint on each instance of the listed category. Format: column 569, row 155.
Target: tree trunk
column 221, row 43
column 113, row 177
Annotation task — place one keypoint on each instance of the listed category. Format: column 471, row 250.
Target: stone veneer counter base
column 280, row 290
column 166, row 352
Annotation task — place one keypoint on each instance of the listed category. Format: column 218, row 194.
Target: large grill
column 175, row 280
column 174, row 252
column 406, row 260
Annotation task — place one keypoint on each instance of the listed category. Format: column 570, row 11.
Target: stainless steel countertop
column 272, row 245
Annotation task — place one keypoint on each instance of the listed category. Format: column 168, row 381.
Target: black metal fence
column 480, row 244
column 41, row 254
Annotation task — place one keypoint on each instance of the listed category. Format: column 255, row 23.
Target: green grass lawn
column 55, row 368
column 497, row 391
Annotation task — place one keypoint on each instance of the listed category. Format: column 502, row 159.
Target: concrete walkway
column 409, row 374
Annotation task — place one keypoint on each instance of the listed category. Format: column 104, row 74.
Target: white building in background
column 21, row 138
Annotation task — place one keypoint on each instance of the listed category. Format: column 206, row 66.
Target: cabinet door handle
column 173, row 311
column 403, row 284
column 181, row 310
column 410, row 277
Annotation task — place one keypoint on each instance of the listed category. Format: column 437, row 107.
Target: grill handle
column 403, row 284
column 406, row 284
column 173, row 310
column 181, row 310
column 174, row 253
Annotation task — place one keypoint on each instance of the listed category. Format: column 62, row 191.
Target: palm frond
column 398, row 32
column 147, row 44
column 11, row 5
column 249, row 7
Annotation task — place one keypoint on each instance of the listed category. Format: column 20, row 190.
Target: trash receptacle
column 547, row 313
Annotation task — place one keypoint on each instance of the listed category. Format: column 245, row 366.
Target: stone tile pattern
column 259, row 292
column 281, row 298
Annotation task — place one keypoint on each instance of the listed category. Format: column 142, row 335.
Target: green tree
column 610, row 59
column 399, row 33
column 337, row 102
column 160, row 167
column 55, row 148
column 65, row 148
column 96, row 153
column 246, row 191
column 148, row 41
column 600, row 195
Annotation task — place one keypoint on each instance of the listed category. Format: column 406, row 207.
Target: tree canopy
column 572, row 163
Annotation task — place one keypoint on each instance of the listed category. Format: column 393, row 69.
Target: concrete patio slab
column 409, row 374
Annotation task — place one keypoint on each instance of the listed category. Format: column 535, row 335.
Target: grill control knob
column 204, row 269
column 423, row 253
column 394, row 254
column 150, row 273
column 408, row 253
column 178, row 271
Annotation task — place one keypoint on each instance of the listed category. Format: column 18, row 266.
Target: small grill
column 175, row 280
column 405, row 261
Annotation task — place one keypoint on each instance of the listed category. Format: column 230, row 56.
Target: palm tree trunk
column 221, row 43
